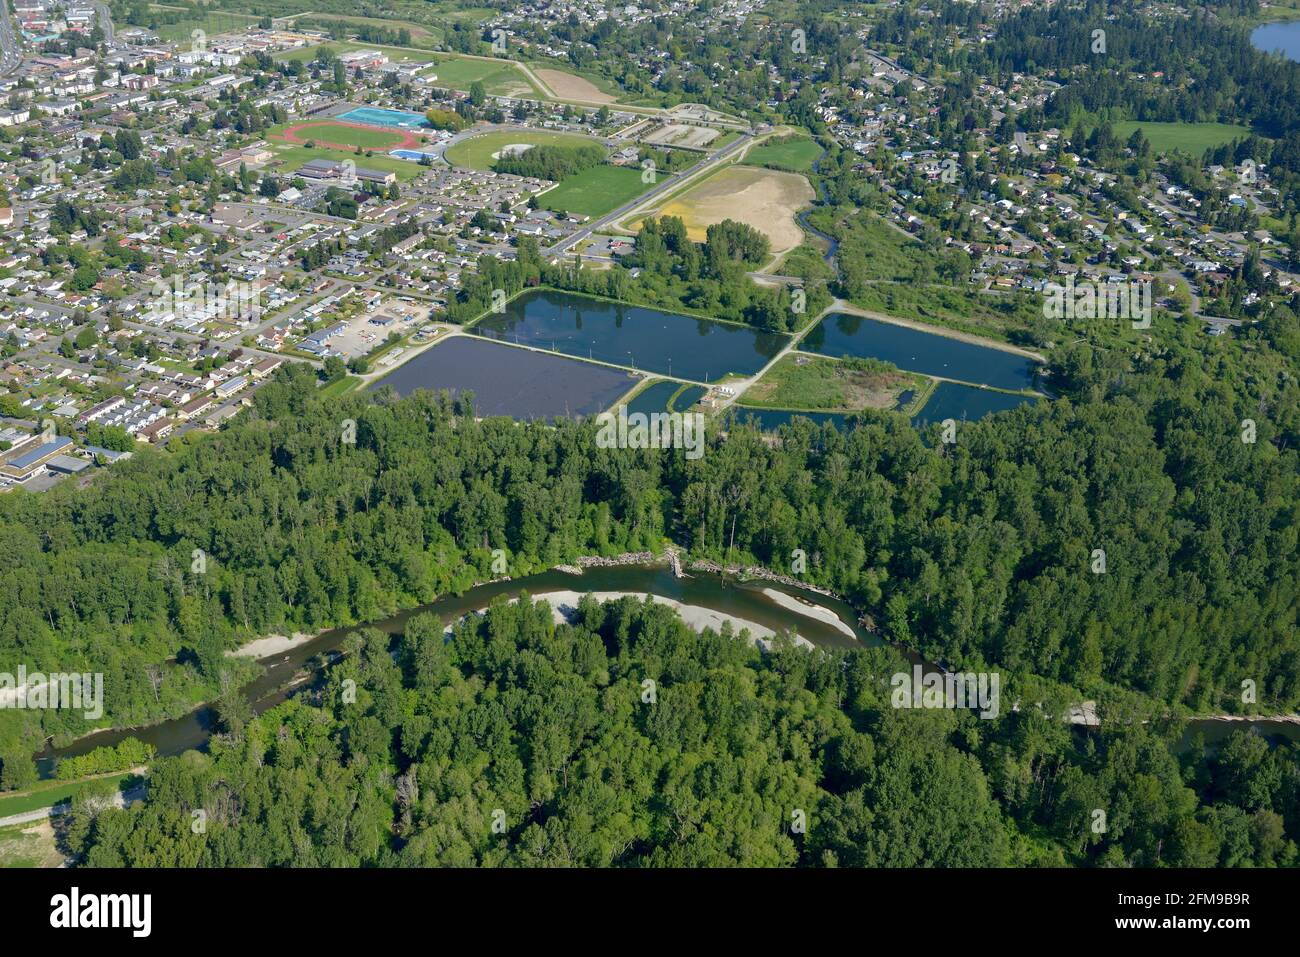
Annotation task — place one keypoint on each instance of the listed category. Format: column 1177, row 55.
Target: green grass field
column 453, row 72
column 726, row 139
column 456, row 11
column 369, row 138
column 1276, row 12
column 499, row 77
column 1191, row 138
column 804, row 382
column 212, row 24
column 797, row 154
column 292, row 157
column 596, row 191
column 47, row 794
column 420, row 33
column 476, row 152
column 340, row 386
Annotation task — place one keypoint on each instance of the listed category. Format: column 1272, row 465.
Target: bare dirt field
column 680, row 134
column 570, row 87
column 765, row 199
column 29, row 845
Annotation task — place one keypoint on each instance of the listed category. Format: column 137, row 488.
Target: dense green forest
column 978, row 553
column 551, row 162
column 981, row 553
column 626, row 739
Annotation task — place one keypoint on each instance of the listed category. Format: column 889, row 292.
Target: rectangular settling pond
column 702, row 350
column 839, row 335
column 665, row 396
column 950, row 400
column 520, row 383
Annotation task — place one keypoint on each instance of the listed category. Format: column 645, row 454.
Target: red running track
column 408, row 141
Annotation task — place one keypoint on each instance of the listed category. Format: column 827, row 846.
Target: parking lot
column 365, row 332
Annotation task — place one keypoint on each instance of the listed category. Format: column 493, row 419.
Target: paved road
column 10, row 55
column 105, row 21
column 120, row 799
column 670, row 183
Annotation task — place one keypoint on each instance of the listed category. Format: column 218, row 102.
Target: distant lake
column 839, row 335
column 1272, row 37
column 703, row 350
column 519, row 383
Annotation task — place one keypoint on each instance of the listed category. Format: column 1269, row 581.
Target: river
column 284, row 673
column 741, row 600
column 832, row 244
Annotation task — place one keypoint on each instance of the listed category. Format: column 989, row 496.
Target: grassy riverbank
column 50, row 793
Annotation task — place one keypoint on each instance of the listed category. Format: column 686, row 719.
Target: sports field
column 477, row 152
column 290, row 158
column 1191, row 138
column 384, row 118
column 765, row 199
column 340, row 135
column 596, row 191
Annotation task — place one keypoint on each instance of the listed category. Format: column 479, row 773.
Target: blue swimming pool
column 416, row 155
column 376, row 116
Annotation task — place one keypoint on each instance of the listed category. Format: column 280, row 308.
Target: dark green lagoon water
column 839, row 335
column 702, row 350
column 951, row 400
column 520, row 383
